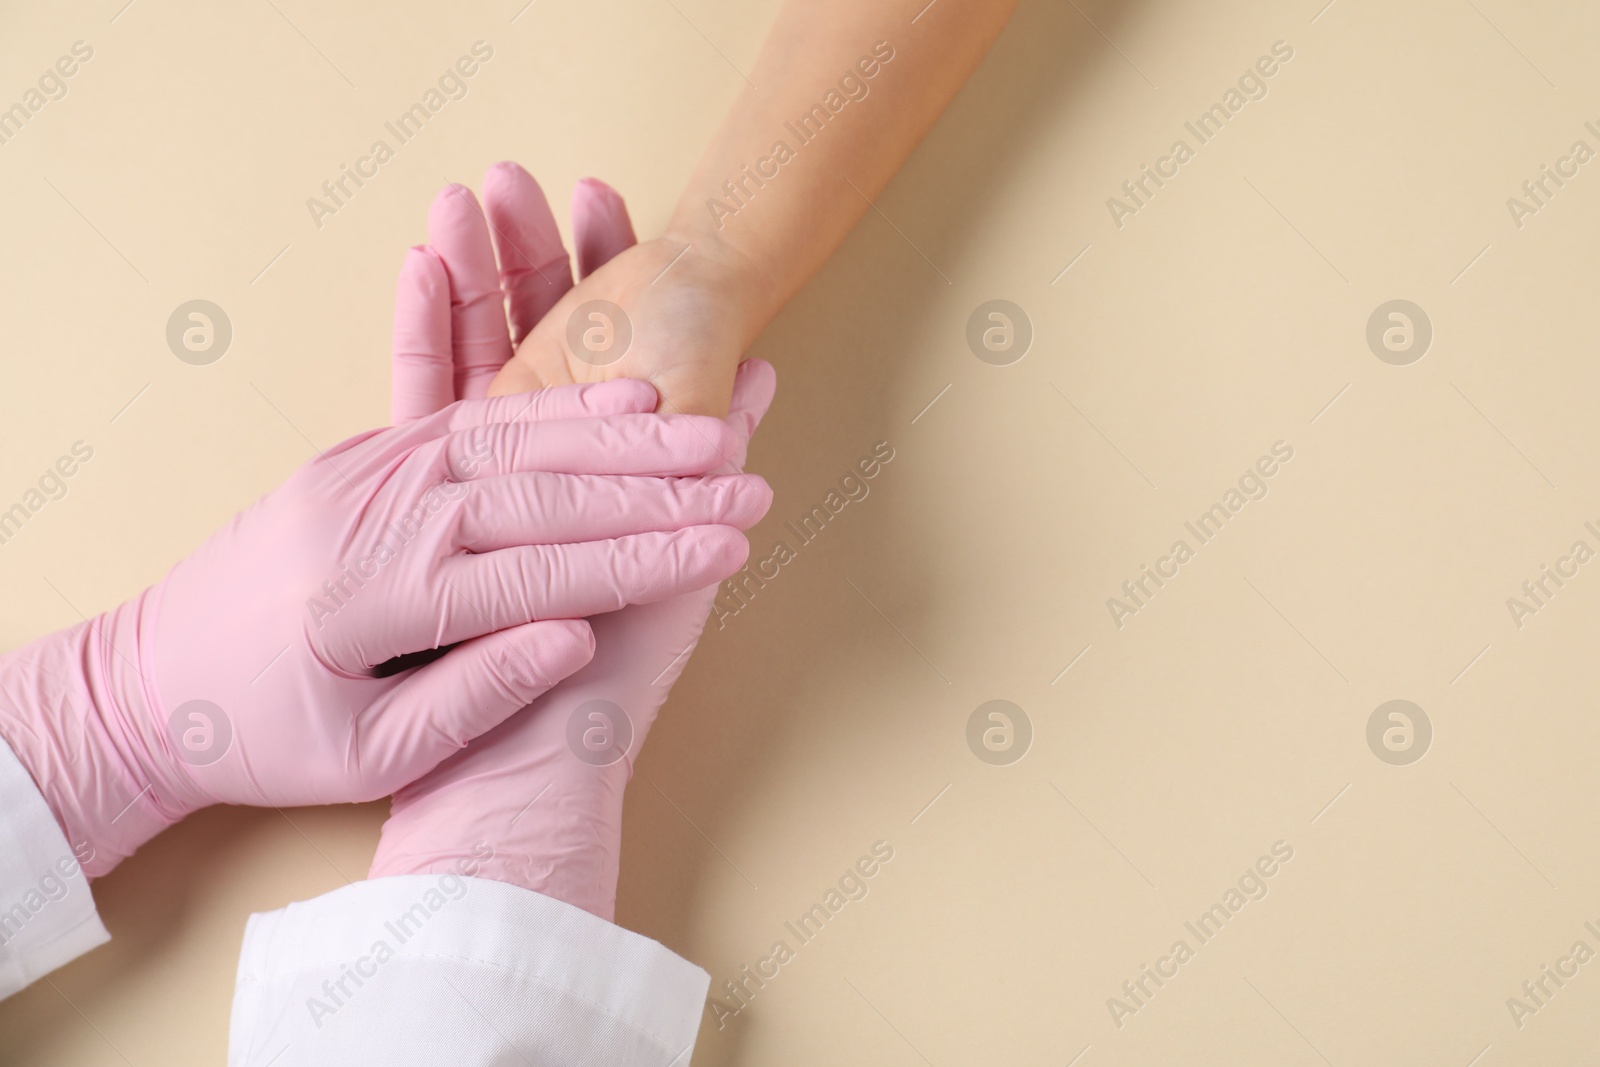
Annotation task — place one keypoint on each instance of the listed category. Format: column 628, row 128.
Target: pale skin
column 697, row 296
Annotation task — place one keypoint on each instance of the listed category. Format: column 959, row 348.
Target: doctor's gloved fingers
column 516, row 585
column 422, row 366
column 534, row 269
column 555, row 509
column 469, row 691
column 651, row 445
column 600, row 225
column 753, row 387
column 459, row 231
column 620, row 396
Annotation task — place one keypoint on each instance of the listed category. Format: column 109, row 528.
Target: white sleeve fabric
column 47, row 914
column 430, row 969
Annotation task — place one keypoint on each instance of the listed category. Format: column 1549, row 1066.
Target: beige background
column 1228, row 715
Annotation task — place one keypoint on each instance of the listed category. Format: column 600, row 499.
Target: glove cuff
column 73, row 707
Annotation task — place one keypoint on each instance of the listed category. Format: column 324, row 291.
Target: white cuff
column 47, row 914
column 429, row 969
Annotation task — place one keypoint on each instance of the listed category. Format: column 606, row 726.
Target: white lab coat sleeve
column 443, row 969
column 47, row 914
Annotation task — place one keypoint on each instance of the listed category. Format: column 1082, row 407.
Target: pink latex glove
column 440, row 358
column 544, row 789
column 258, row 671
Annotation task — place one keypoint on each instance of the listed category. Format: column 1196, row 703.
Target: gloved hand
column 258, row 671
column 441, row 358
column 544, row 789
